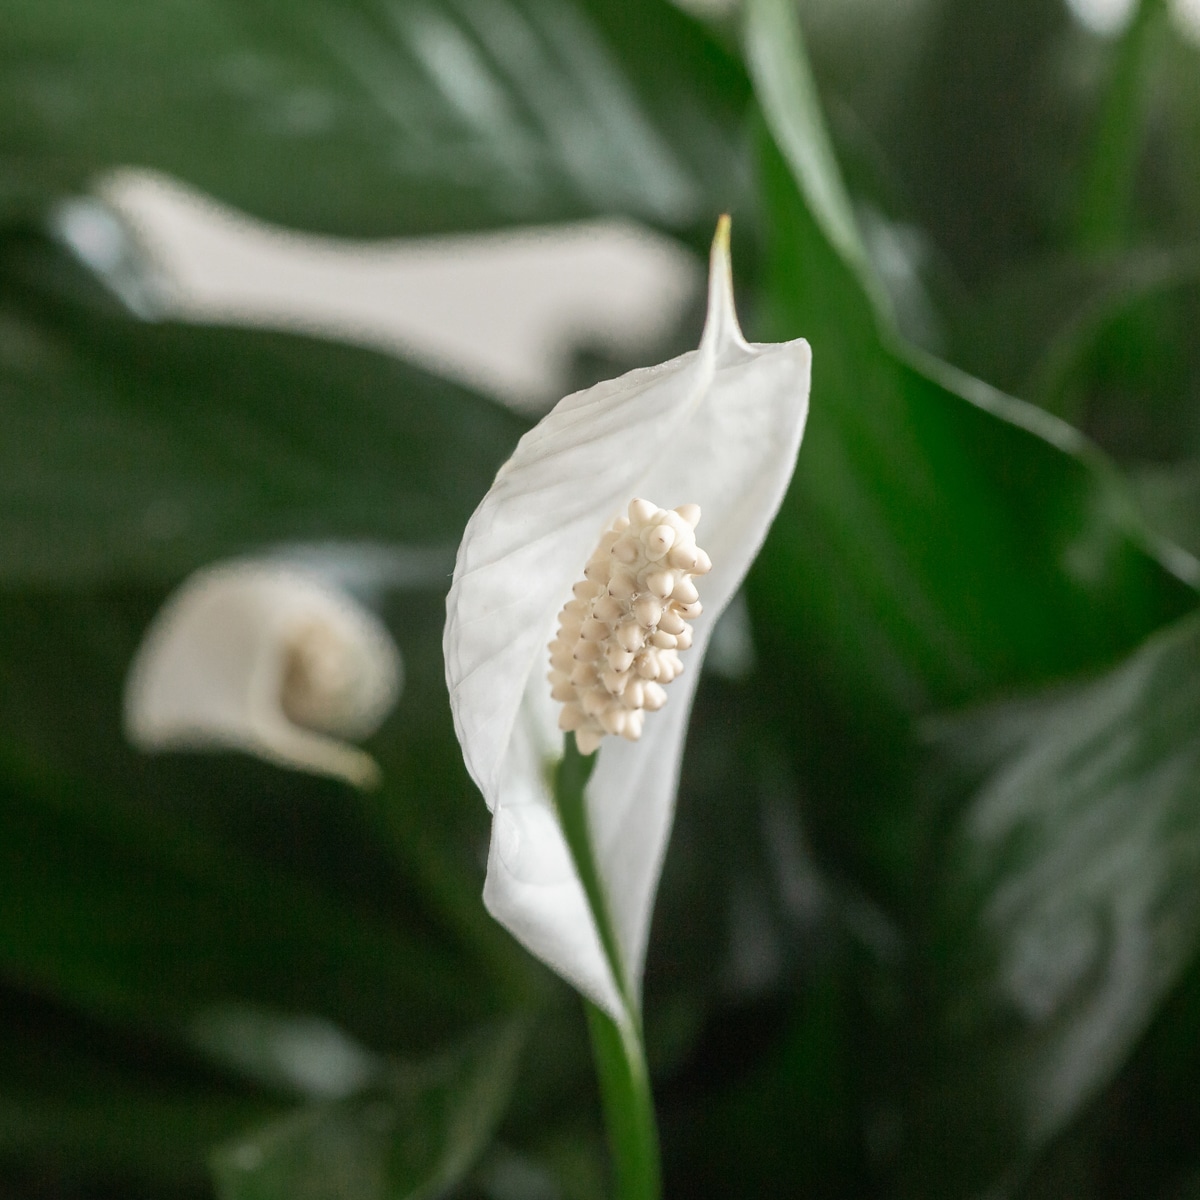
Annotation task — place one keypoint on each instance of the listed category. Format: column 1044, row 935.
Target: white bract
column 713, row 432
column 267, row 658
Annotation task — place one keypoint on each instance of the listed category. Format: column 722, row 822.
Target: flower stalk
column 617, row 1046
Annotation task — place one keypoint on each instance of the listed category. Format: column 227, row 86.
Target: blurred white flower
column 1105, row 18
column 713, row 432
column 1186, row 15
column 267, row 658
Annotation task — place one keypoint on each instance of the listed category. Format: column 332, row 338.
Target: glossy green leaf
column 83, row 1100
column 802, row 1079
column 940, row 540
column 1169, row 497
column 1031, row 331
column 1129, row 373
column 1137, row 1136
column 1112, row 348
column 413, row 1138
column 1177, row 210
column 1068, row 908
column 364, row 117
column 141, row 450
column 980, row 137
column 131, row 916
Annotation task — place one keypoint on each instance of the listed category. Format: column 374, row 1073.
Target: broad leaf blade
column 1068, row 908
column 81, row 1098
column 940, row 541
column 131, row 449
column 411, row 1140
column 369, row 118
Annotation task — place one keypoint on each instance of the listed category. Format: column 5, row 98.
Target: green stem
column 1106, row 196
column 616, row 1045
column 628, row 1105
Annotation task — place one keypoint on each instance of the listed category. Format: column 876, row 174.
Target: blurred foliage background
column 930, row 919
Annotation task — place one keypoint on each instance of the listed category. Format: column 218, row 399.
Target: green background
column 929, row 924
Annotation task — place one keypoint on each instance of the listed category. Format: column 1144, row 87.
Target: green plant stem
column 616, row 1045
column 1106, row 194
column 628, row 1105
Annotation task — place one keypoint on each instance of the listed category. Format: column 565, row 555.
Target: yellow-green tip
column 721, row 327
column 721, row 237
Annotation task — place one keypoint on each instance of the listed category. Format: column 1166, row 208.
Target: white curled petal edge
column 266, row 658
column 719, row 426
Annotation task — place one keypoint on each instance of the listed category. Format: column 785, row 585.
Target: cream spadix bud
column 641, row 512
column 658, row 541
column 685, row 592
column 619, row 637
column 660, row 583
column 625, row 552
column 631, row 635
column 584, row 675
column 671, row 622
column 648, row 610
column 608, row 609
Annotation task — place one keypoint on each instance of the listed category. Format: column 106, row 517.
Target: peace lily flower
column 268, row 658
column 588, row 540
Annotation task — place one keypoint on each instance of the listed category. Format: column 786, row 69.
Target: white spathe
column 268, row 658
column 719, row 427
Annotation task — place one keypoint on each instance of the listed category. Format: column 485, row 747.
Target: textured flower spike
column 619, row 637
column 266, row 658
column 715, row 429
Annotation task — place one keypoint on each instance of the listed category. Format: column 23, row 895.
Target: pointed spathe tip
column 721, row 237
column 721, row 327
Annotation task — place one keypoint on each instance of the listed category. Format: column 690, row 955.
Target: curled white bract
column 266, row 658
column 718, row 427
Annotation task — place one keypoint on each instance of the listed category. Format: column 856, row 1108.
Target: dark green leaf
column 130, row 916
column 983, row 131
column 1138, row 1136
column 1068, row 908
column 801, row 1080
column 84, row 1100
column 1174, row 206
column 940, row 540
column 412, row 1139
column 1169, row 496
column 1112, row 348
column 365, row 117
column 1128, row 370
column 131, row 449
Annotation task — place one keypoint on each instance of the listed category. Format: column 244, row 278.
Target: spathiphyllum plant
column 586, row 589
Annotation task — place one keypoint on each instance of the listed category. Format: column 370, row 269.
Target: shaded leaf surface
column 943, row 543
column 89, row 1100
column 415, row 1138
column 128, row 918
column 940, row 540
column 368, row 118
column 1067, row 909
column 131, row 449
